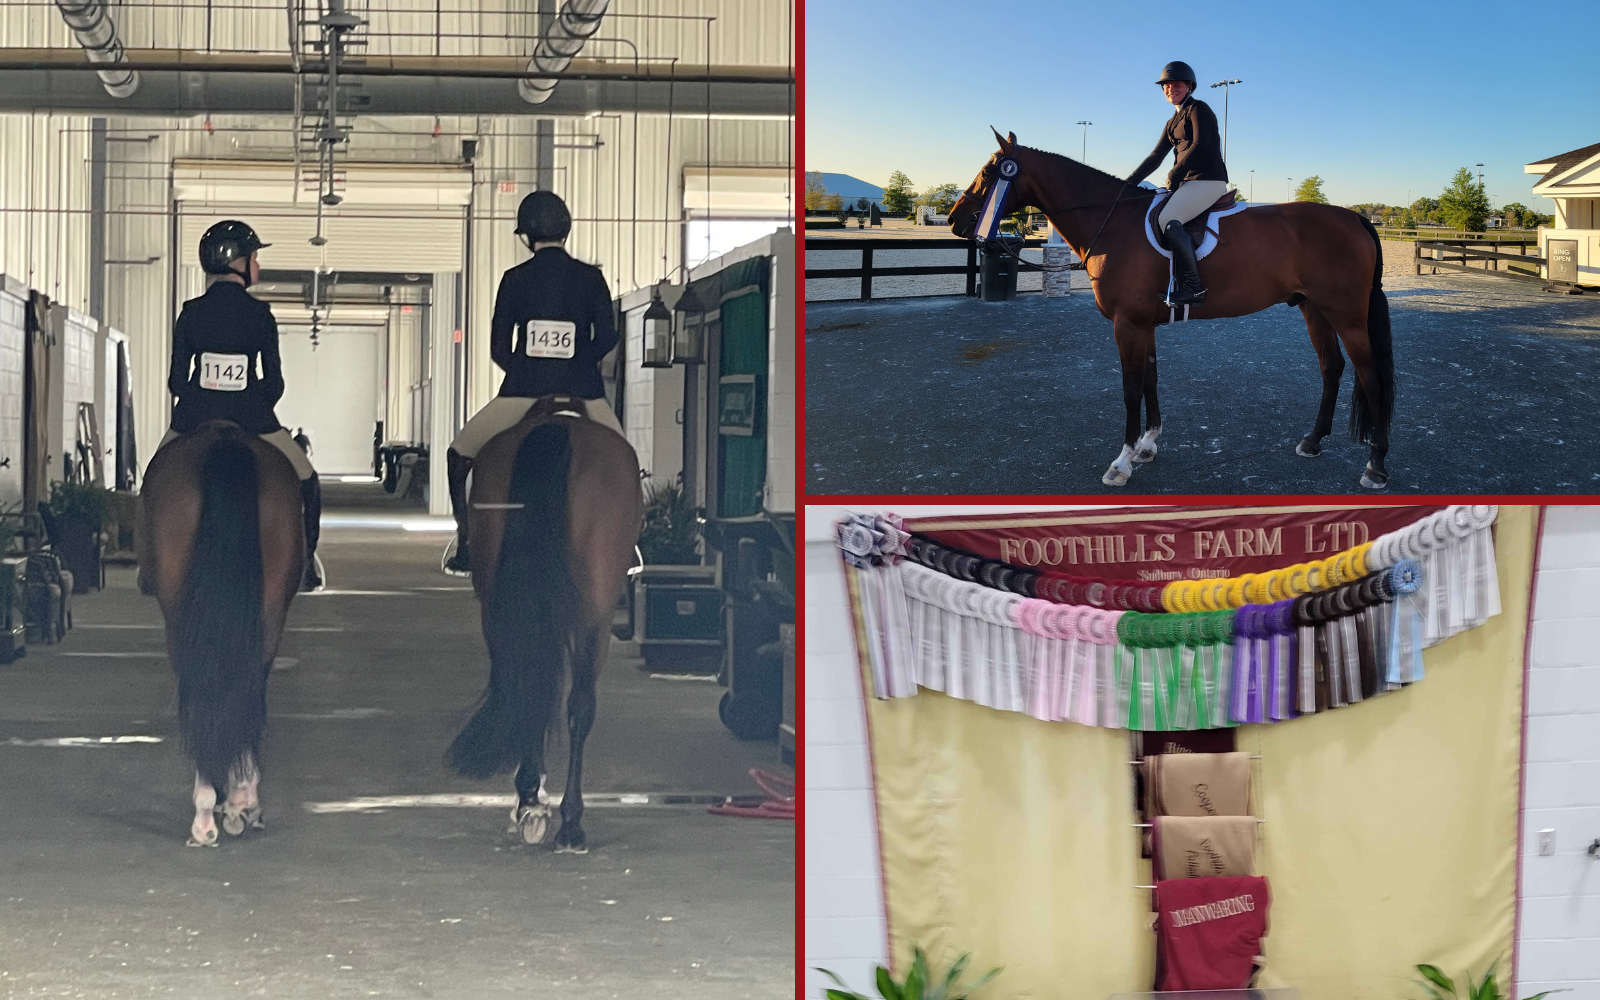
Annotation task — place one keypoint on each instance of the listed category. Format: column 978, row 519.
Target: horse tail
column 1363, row 421
column 216, row 638
column 531, row 616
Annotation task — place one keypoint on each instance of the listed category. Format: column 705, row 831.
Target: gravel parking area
column 1498, row 385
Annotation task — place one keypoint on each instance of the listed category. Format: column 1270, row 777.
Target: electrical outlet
column 1546, row 842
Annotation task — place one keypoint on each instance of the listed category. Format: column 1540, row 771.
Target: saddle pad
column 550, row 338
column 1202, row 246
column 224, row 372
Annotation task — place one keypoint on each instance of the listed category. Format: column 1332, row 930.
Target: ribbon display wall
column 1197, row 654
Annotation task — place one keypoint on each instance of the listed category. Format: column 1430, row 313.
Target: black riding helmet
column 1174, row 72
column 543, row 216
column 225, row 243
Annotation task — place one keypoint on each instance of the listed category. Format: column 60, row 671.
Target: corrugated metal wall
column 622, row 175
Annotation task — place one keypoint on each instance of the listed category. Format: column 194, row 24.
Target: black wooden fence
column 866, row 272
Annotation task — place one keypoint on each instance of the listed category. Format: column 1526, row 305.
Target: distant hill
column 851, row 188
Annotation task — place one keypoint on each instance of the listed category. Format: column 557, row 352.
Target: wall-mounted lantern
column 689, row 341
column 657, row 333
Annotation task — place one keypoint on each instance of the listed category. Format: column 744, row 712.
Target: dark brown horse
column 224, row 552
column 1324, row 259
column 555, row 512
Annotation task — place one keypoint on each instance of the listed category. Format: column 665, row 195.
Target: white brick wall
column 1560, row 937
column 844, row 904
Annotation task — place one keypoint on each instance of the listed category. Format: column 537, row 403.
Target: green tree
column 862, row 203
column 832, row 203
column 898, row 194
column 1463, row 205
column 1422, row 206
column 1310, row 189
column 815, row 191
column 941, row 198
column 1407, row 221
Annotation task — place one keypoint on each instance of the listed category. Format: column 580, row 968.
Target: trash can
column 997, row 270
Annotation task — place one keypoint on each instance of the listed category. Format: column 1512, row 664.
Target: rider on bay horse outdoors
column 552, row 326
column 1198, row 177
column 219, row 342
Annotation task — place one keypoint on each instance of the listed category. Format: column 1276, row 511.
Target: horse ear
column 1005, row 146
column 1011, row 138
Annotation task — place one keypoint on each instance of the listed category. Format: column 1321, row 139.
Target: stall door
column 741, row 397
column 332, row 393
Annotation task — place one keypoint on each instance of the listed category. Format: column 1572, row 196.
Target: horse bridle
column 987, row 242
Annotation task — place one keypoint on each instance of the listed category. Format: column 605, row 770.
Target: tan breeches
column 279, row 439
column 1191, row 198
column 502, row 413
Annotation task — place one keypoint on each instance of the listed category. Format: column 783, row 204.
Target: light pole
column 1480, row 175
column 1225, row 85
column 1252, row 187
column 1286, row 182
column 1086, row 140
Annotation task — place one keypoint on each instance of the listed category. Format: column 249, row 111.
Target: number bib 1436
column 550, row 338
column 224, row 372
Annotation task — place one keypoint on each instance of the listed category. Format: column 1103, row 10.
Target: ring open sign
column 736, row 405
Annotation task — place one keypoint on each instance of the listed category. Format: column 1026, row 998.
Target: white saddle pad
column 1206, row 245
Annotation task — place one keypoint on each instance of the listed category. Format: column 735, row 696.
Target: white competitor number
column 224, row 372
column 551, row 338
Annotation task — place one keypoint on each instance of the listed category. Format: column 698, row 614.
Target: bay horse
column 224, row 554
column 554, row 512
column 1325, row 259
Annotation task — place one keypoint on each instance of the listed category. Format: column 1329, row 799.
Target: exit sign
column 508, row 187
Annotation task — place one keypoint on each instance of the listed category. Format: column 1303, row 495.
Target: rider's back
column 226, row 322
column 552, row 286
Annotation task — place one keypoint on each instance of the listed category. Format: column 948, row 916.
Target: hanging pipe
column 92, row 25
column 575, row 25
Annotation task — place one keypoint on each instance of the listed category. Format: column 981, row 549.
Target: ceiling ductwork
column 91, row 24
column 181, row 83
column 576, row 24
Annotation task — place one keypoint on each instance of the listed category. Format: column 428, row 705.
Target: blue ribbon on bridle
column 994, row 205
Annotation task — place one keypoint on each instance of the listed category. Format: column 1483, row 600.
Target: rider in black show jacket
column 1192, row 132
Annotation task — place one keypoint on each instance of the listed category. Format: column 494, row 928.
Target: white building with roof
column 1572, row 181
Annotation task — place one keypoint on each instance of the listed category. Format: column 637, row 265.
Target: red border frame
column 798, row 27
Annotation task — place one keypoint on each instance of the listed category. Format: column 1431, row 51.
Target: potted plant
column 76, row 524
column 1442, row 987
column 670, row 531
column 919, row 983
column 677, row 608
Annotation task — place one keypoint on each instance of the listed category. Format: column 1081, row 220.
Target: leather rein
column 1006, row 248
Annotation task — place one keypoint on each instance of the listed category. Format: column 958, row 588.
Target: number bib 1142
column 550, row 338
column 224, row 372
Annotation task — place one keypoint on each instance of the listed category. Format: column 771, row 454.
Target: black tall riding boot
column 311, row 503
column 457, row 466
column 1188, row 290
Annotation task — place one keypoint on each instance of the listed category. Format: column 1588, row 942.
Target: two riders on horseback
column 1198, row 177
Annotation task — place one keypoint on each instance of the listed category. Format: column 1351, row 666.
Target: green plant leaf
column 969, row 990
column 832, row 975
column 1434, row 993
column 1541, row 996
column 919, row 968
column 946, row 988
column 887, row 988
column 914, row 983
column 844, row 995
column 1488, row 989
column 1438, row 978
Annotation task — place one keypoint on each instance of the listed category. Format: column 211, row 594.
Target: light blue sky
column 1379, row 99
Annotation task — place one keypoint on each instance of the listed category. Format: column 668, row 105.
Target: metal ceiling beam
column 174, row 83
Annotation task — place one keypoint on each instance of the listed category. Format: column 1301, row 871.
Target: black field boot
column 1188, row 290
column 457, row 466
column 311, row 503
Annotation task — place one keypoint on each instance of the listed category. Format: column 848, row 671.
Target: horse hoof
column 533, row 822
column 1370, row 483
column 571, row 843
column 1141, row 457
column 233, row 823
column 253, row 818
column 210, row 839
column 1114, row 477
column 1308, row 448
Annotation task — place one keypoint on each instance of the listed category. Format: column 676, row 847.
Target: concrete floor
column 1497, row 386
column 100, row 898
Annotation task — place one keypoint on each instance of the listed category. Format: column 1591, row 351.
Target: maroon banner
column 1158, row 545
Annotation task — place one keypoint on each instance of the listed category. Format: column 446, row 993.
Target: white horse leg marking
column 1145, row 447
column 243, row 806
column 203, row 831
column 1121, row 470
